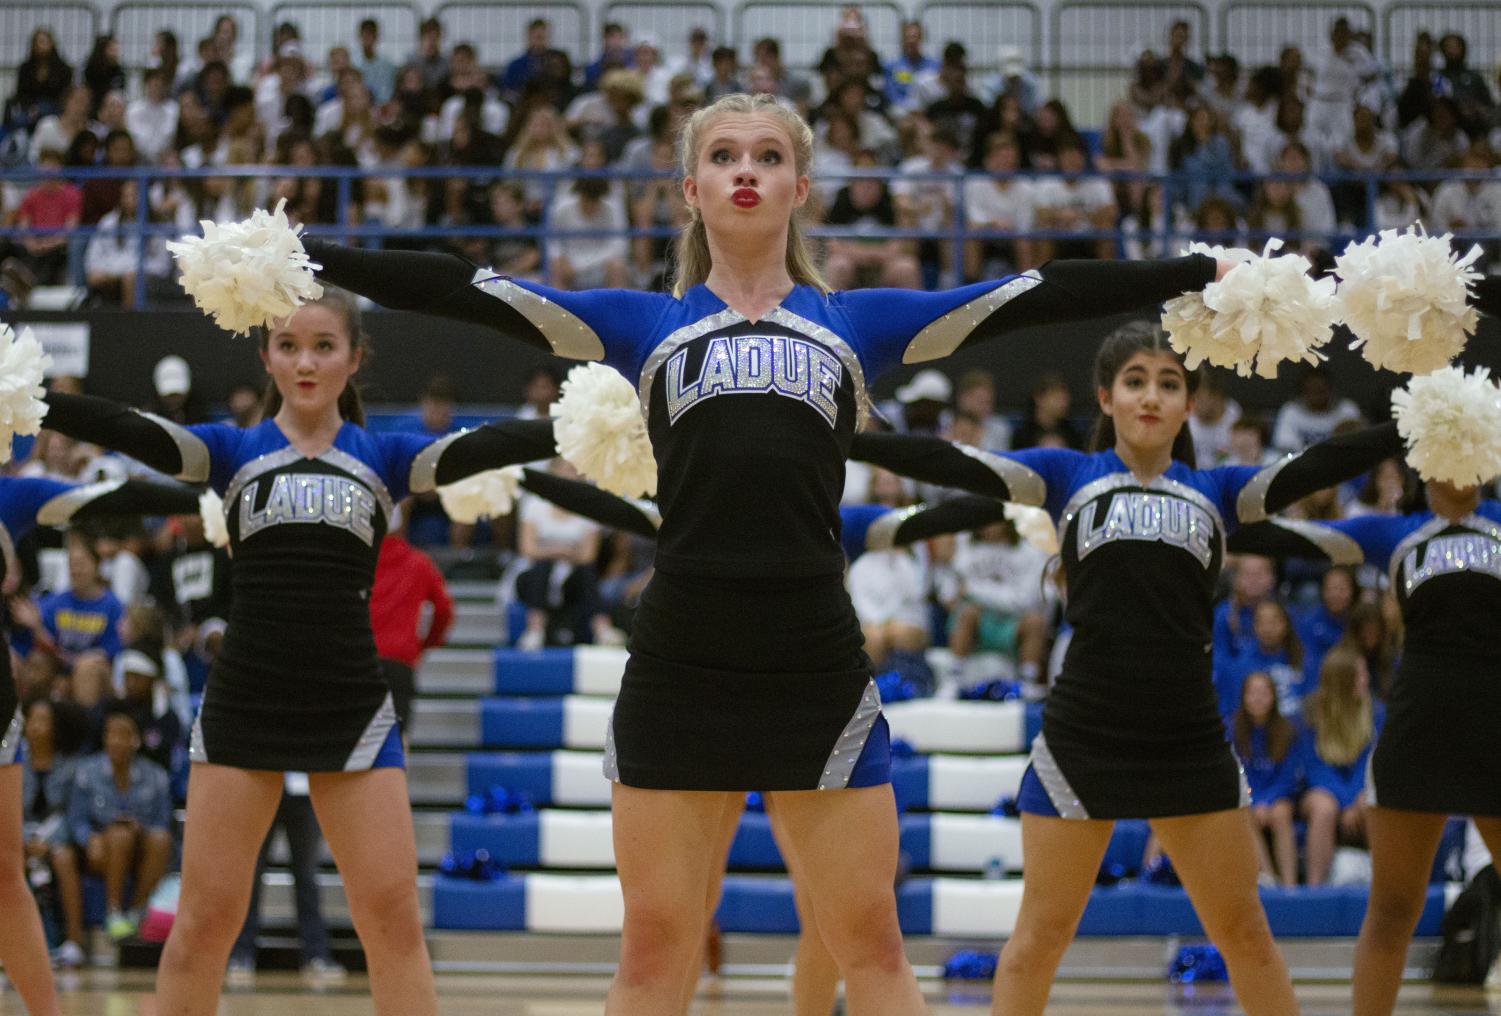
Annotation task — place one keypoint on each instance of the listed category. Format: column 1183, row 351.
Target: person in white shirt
column 1473, row 205
column 1254, row 119
column 110, row 261
column 929, row 204
column 1074, row 204
column 589, row 262
column 655, row 76
column 889, row 588
column 1214, row 414
column 379, row 73
column 1340, row 72
column 994, row 589
column 698, row 61
column 290, row 77
column 559, row 585
column 152, row 119
column 58, row 131
column 1001, row 202
column 1313, row 415
column 1314, row 202
column 974, row 400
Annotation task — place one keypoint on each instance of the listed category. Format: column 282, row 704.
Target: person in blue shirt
column 1437, row 753
column 296, row 685
column 1132, row 728
column 904, row 72
column 746, row 670
column 23, row 503
column 1321, row 626
column 1275, row 651
column 1341, row 721
column 1264, row 739
column 1253, row 578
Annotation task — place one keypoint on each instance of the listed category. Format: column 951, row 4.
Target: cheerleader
column 1437, row 753
column 1265, row 740
column 1131, row 728
column 746, row 669
column 25, row 502
column 308, row 495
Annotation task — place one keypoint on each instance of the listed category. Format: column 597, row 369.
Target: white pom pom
column 1452, row 424
column 1406, row 297
column 23, row 364
column 215, row 525
column 247, row 273
column 600, row 430
column 1033, row 525
column 487, row 495
column 1265, row 310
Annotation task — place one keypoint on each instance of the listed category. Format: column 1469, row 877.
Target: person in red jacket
column 406, row 580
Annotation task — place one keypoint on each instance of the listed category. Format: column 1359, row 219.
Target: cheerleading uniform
column 296, row 685
column 1438, row 749
column 1132, row 727
column 746, row 668
column 26, row 501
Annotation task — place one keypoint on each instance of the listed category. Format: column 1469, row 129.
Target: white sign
column 68, row 343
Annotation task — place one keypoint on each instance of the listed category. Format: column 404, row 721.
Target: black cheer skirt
column 1134, row 735
column 1440, row 748
column 747, row 684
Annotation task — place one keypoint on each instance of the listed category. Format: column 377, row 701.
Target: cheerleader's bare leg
column 23, row 946
column 1214, row 856
column 815, row 974
column 1402, row 847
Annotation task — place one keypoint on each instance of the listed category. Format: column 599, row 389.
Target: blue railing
column 1166, row 236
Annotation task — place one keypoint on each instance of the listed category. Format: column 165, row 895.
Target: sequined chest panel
column 286, row 488
column 1119, row 509
column 1440, row 547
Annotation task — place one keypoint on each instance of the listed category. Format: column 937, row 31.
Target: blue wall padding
column 461, row 904
column 511, row 839
column 545, row 672
column 522, row 771
column 522, row 722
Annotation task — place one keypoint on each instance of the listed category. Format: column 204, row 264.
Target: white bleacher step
column 437, row 777
column 278, row 908
column 473, row 590
column 456, row 672
column 476, row 624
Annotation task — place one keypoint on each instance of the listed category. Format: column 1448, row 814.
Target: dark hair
column 351, row 407
column 591, row 187
column 1117, row 349
column 1280, row 731
column 536, row 23
column 370, row 24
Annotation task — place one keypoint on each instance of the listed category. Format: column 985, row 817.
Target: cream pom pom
column 1265, row 310
column 1033, row 525
column 601, row 431
column 1452, row 424
column 23, row 364
column 250, row 273
column 1406, row 298
column 215, row 524
column 487, row 495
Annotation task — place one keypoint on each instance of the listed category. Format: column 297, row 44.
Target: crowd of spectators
column 1204, row 119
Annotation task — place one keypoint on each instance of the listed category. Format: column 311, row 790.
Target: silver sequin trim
column 192, row 450
column 1250, row 506
column 10, row 742
column 1162, row 484
column 8, row 548
column 1024, row 484
column 842, row 349
column 256, row 467
column 564, row 331
column 1338, row 547
column 1065, row 802
column 424, row 474
column 1245, row 785
column 374, row 737
column 840, row 765
column 197, row 751
column 648, row 510
column 354, row 467
column 882, row 532
column 60, row 509
column 611, row 763
column 669, row 345
column 1427, row 531
column 942, row 337
column 1370, row 779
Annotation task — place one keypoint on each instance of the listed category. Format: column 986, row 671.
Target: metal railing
column 1166, row 237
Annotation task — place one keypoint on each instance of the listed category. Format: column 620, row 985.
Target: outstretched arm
column 1270, row 489
column 1295, row 538
column 492, row 446
column 1005, row 477
column 629, row 515
column 160, row 444
column 118, row 497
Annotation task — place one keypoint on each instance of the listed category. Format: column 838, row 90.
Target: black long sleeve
column 936, row 461
column 160, row 444
column 429, row 283
column 119, row 497
column 1079, row 290
column 628, row 515
column 1325, row 464
column 1488, row 295
column 492, row 446
column 1295, row 538
column 956, row 515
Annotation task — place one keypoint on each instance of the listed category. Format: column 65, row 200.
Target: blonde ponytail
column 693, row 258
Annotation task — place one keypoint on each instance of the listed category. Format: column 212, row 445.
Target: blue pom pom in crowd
column 1159, row 871
column 475, row 865
column 894, row 687
column 970, row 965
column 499, row 800
column 992, row 691
column 1197, row 963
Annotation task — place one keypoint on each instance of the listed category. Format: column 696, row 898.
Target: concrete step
column 476, row 623
column 445, row 723
column 457, row 672
column 437, row 778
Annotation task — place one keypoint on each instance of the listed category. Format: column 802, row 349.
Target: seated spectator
column 1202, row 157
column 889, row 590
column 787, row 84
column 1472, row 98
column 1222, row 92
column 152, row 119
column 834, row 152
column 1341, row 727
column 1369, row 149
column 1389, row 489
column 1214, row 413
column 861, row 261
column 1435, row 140
column 1048, row 133
column 1311, row 197
column 1253, row 122
column 52, row 203
column 1399, row 203
column 1125, row 147
column 1340, row 73
column 999, row 201
column 726, row 78
column 212, row 86
column 655, row 77
column 42, row 81
column 903, row 73
column 512, row 256
column 1274, row 651
column 657, row 204
column 974, row 398
column 1265, row 740
column 1014, row 80
column 378, row 73
column 995, row 599
column 1252, row 580
column 929, row 204
column 1378, row 638
column 57, row 131
column 102, row 72
column 289, row 77
column 1046, row 423
column 145, row 628
column 559, row 585
column 527, row 65
column 1071, row 203
column 112, row 257
column 955, row 105
column 588, row 262
column 166, row 55
column 1249, row 440
column 145, row 698
column 538, row 393
column 239, row 60
column 541, row 145
column 615, row 114
column 615, row 54
column 1321, row 627
column 120, row 815
column 429, row 57
column 49, row 765
column 1472, row 206
column 853, row 100
column 1313, row 415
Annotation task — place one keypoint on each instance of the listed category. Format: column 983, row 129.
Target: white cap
column 133, row 661
column 1012, row 62
column 930, row 385
column 171, row 376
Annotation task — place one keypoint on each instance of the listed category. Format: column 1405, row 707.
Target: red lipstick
column 745, row 197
